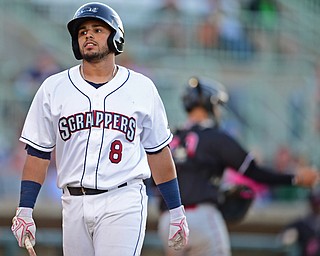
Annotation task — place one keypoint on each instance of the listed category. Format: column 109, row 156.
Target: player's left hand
column 307, row 176
column 179, row 231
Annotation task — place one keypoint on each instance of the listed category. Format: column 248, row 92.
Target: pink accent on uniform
column 233, row 177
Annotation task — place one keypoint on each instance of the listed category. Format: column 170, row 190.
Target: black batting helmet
column 204, row 93
column 101, row 12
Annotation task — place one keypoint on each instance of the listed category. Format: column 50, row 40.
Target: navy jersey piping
column 36, row 143
column 159, row 144
column 103, row 130
column 141, row 220
column 86, row 151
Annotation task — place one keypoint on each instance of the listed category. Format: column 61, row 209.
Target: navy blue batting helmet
column 101, row 12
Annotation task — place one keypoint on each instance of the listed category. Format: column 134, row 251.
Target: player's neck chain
column 114, row 71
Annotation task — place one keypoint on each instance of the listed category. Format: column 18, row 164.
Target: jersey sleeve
column 237, row 157
column 156, row 134
column 38, row 130
column 233, row 154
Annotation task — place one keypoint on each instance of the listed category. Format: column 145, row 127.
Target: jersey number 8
column 115, row 153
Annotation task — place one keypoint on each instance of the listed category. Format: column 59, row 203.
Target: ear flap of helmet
column 115, row 42
column 76, row 50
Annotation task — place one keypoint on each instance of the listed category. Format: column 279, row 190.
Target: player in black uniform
column 202, row 151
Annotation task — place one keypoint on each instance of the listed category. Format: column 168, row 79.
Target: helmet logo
column 88, row 9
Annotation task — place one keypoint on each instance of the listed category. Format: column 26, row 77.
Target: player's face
column 92, row 39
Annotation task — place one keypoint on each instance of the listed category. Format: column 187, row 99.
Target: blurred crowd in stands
column 240, row 27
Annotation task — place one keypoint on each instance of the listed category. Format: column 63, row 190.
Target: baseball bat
column 29, row 247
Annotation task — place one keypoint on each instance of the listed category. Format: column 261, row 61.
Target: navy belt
column 80, row 191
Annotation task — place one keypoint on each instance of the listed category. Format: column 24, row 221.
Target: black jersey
column 202, row 153
column 308, row 229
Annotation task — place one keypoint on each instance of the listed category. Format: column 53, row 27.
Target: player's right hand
column 23, row 225
column 179, row 231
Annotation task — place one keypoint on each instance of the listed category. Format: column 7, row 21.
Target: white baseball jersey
column 100, row 135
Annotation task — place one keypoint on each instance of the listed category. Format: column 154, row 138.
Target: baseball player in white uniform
column 108, row 127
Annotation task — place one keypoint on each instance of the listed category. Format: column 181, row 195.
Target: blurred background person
column 202, row 152
column 232, row 35
column 166, row 28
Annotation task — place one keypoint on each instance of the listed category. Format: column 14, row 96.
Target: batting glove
column 23, row 225
column 179, row 231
